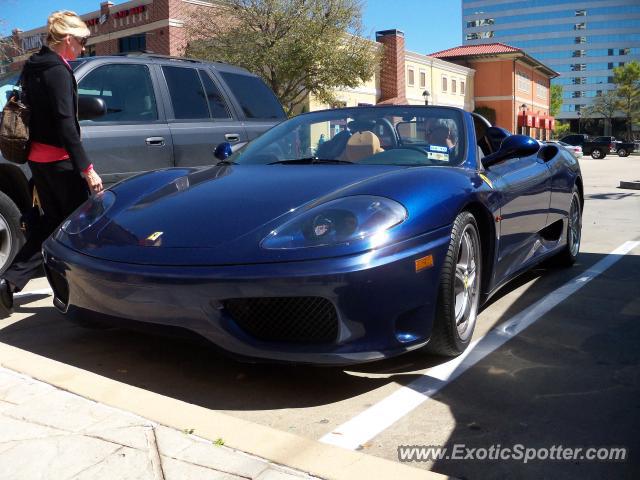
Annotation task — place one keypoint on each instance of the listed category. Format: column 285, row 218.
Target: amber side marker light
column 424, row 262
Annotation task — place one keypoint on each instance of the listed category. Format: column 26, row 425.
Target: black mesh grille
column 286, row 319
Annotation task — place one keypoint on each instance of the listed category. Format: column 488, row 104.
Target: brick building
column 510, row 82
column 153, row 25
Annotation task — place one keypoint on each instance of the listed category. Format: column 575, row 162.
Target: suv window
column 217, row 105
column 255, row 98
column 187, row 94
column 126, row 89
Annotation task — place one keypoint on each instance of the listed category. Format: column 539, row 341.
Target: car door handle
column 155, row 141
column 232, row 137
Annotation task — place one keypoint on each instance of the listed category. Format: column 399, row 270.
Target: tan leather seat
column 362, row 145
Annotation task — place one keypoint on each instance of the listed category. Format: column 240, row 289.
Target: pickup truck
column 623, row 149
column 597, row 149
column 160, row 112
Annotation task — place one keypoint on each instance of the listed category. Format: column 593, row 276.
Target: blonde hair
column 63, row 23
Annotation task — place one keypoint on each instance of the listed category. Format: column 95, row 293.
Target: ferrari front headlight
column 89, row 213
column 360, row 218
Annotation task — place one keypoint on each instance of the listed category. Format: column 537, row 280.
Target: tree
column 297, row 46
column 561, row 129
column 627, row 80
column 556, row 100
column 605, row 106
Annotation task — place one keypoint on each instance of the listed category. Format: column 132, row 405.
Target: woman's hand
column 94, row 181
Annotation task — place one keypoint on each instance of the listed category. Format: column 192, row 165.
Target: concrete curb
column 315, row 458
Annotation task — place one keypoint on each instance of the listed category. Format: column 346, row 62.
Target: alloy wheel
column 466, row 282
column 5, row 242
column 575, row 224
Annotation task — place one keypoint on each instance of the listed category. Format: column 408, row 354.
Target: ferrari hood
column 219, row 213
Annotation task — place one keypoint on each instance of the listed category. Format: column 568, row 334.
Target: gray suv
column 161, row 112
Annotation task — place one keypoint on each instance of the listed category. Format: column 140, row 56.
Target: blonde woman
column 62, row 173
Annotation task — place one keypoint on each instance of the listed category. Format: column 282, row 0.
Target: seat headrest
column 362, row 145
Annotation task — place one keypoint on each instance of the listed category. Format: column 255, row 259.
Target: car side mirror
column 223, row 151
column 513, row 146
column 90, row 107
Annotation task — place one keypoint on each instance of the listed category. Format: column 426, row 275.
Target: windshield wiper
column 309, row 160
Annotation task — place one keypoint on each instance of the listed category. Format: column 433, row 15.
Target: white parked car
column 576, row 150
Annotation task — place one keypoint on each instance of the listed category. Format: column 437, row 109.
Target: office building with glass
column 582, row 41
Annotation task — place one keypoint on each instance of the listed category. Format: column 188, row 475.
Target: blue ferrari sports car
column 339, row 236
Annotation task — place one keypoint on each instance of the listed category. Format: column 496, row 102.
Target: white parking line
column 385, row 413
column 31, row 293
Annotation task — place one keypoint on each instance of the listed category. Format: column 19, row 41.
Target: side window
column 126, row 89
column 187, row 95
column 256, row 99
column 217, row 105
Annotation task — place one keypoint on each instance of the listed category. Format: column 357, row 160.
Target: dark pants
column 61, row 190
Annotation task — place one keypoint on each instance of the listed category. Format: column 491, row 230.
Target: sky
column 428, row 25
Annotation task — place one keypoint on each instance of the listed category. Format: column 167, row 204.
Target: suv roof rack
column 148, row 54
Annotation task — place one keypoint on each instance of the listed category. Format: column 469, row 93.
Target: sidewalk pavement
column 48, row 433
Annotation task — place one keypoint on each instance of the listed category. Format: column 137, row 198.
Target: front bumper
column 383, row 306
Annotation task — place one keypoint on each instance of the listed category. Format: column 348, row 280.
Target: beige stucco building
column 406, row 77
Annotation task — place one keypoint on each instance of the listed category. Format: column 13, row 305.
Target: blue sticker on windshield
column 438, row 153
column 438, row 148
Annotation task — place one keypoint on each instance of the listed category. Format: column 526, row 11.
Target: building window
column 598, row 93
column 89, row 51
column 444, row 84
column 134, row 43
column 578, row 67
column 580, row 40
column 610, row 66
column 580, row 80
column 480, row 35
column 411, row 77
column 581, row 13
column 580, row 26
column 480, row 22
column 461, row 88
column 577, row 94
column 579, row 53
column 453, row 86
column 524, row 81
column 541, row 90
column 423, row 79
column 610, row 52
column 624, row 51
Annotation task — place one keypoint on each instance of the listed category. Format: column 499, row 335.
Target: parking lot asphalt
column 571, row 378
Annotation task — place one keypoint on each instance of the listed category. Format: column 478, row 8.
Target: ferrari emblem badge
column 154, row 236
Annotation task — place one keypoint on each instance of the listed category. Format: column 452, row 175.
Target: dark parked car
column 597, row 149
column 623, row 149
column 161, row 112
column 385, row 238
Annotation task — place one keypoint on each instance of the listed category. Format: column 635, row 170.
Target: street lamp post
column 425, row 95
column 579, row 113
column 523, row 107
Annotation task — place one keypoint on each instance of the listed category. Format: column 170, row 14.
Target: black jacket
column 52, row 95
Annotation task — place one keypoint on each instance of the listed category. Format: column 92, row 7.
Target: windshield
column 394, row 135
column 7, row 82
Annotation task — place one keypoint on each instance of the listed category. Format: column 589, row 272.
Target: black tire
column 622, row 152
column 446, row 337
column 11, row 236
column 597, row 154
column 567, row 257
